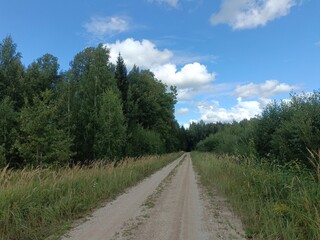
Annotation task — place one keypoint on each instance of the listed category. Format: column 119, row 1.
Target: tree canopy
column 93, row 110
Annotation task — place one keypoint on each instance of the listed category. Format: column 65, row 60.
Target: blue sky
column 228, row 58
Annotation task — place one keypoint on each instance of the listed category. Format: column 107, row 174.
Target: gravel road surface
column 170, row 204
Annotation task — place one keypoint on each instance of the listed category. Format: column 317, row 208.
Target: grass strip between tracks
column 38, row 203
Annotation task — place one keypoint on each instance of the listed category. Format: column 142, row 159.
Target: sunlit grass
column 274, row 202
column 38, row 203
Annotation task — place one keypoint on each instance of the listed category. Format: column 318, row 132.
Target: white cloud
column 186, row 93
column 182, row 111
column 242, row 14
column 173, row 3
column 209, row 89
column 101, row 26
column 212, row 112
column 145, row 54
column 267, row 89
column 190, row 75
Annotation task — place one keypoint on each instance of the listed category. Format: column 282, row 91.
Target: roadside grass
column 273, row 202
column 42, row 203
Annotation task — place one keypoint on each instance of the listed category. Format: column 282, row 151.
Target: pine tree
column 122, row 82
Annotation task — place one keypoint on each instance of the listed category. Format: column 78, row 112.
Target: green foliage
column 41, row 75
column 273, row 201
column 8, row 130
column 143, row 141
column 41, row 139
column 235, row 138
column 90, row 77
column 110, row 138
column 3, row 159
column 286, row 130
column 175, row 138
column 151, row 107
column 93, row 110
column 122, row 82
column 199, row 131
column 11, row 71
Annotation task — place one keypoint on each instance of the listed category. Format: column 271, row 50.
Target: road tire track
column 108, row 220
column 169, row 205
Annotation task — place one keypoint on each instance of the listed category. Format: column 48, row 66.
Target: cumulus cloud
column 242, row 14
column 142, row 53
column 173, row 3
column 145, row 54
column 185, row 93
column 259, row 94
column 101, row 26
column 212, row 112
column 193, row 74
column 267, row 89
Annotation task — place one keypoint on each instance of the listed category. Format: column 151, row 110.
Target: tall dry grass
column 274, row 202
column 38, row 203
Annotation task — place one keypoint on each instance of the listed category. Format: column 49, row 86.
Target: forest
column 94, row 110
column 98, row 110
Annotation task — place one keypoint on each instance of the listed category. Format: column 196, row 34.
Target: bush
column 144, row 141
column 236, row 138
column 286, row 130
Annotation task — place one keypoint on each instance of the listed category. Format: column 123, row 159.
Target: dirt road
column 168, row 205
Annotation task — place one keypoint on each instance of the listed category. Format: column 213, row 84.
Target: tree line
column 284, row 132
column 94, row 110
column 97, row 110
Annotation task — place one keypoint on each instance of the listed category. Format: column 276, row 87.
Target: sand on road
column 168, row 205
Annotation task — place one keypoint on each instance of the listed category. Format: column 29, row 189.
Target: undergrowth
column 41, row 203
column 273, row 201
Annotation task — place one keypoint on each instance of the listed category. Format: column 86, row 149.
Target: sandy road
column 163, row 207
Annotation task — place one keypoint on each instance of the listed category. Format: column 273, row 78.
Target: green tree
column 91, row 75
column 110, row 137
column 144, row 141
column 41, row 75
column 41, row 140
column 299, row 128
column 199, row 131
column 8, row 130
column 236, row 138
column 11, row 72
column 122, row 81
column 151, row 105
column 267, row 125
